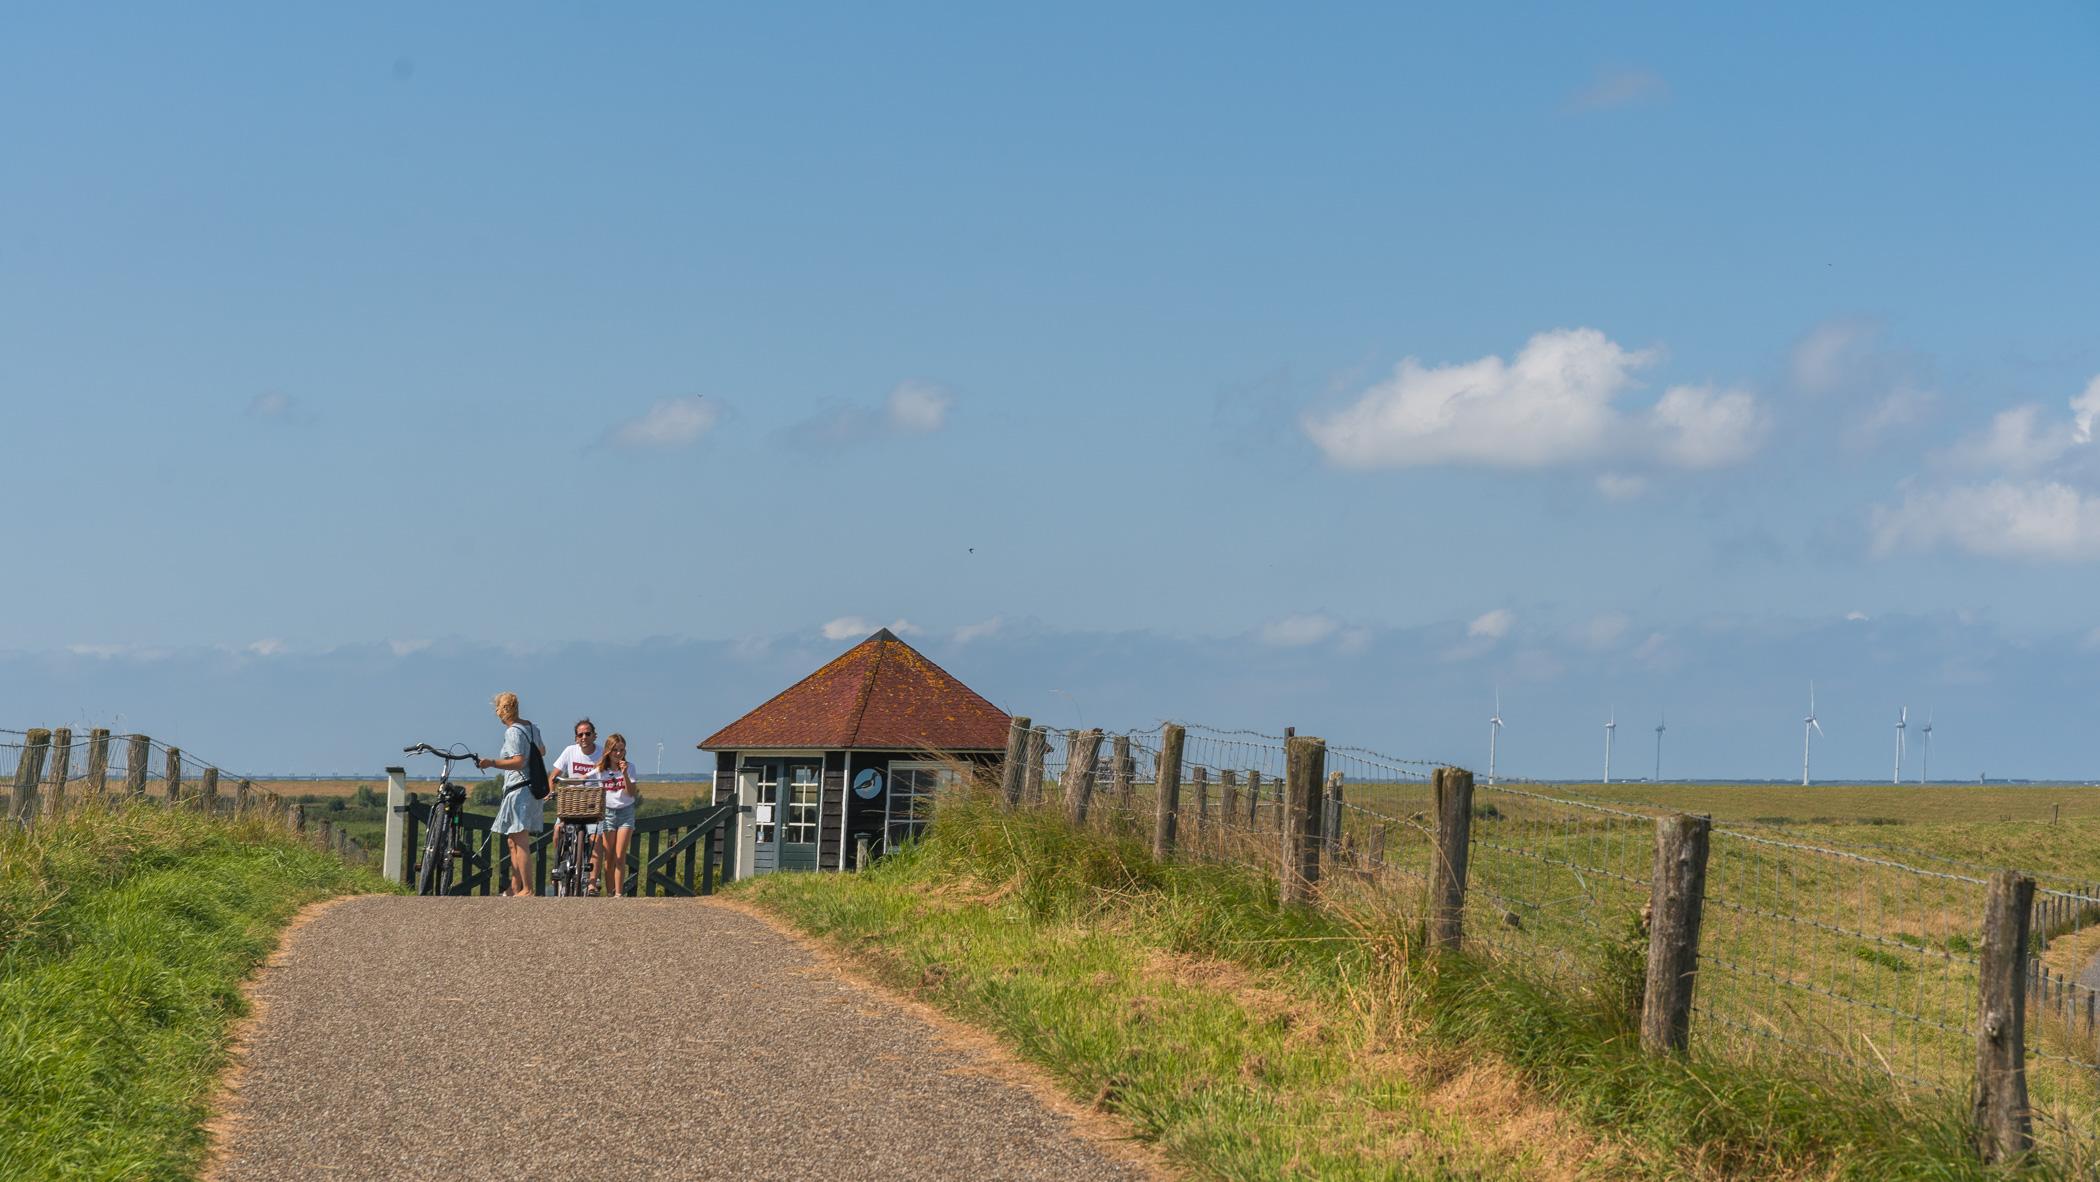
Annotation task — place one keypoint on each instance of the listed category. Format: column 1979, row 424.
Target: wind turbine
column 1660, row 727
column 1925, row 756
column 1611, row 725
column 659, row 757
column 1494, row 732
column 1902, row 724
column 1808, row 724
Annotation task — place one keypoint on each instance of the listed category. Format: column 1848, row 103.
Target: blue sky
column 1615, row 357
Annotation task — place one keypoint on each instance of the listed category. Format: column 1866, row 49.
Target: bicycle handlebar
column 447, row 756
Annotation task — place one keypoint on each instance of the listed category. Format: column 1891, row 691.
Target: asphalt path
column 470, row 1038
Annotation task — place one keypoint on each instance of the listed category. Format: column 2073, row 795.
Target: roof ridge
column 867, row 684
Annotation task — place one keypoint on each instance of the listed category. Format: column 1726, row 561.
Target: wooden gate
column 680, row 854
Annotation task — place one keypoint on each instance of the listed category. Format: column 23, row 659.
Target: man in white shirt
column 577, row 762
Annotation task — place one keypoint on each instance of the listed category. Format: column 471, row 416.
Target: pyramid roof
column 881, row 694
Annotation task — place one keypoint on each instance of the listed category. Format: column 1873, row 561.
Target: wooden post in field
column 61, row 769
column 1121, row 771
column 326, row 834
column 1166, row 810
column 1676, row 901
column 297, row 816
column 243, row 792
column 138, row 750
column 173, row 778
column 1199, row 779
column 1032, row 775
column 1228, row 799
column 1253, row 800
column 208, row 790
column 29, row 772
column 1014, row 769
column 1331, row 834
column 1453, row 847
column 2003, row 1127
column 98, row 762
column 1081, row 749
column 1304, row 826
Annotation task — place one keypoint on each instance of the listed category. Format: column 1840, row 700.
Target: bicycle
column 434, row 872
column 578, row 804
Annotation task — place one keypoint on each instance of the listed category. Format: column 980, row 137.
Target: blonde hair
column 506, row 704
column 613, row 742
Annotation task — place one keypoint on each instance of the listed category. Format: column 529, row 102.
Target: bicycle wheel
column 436, row 850
column 565, row 876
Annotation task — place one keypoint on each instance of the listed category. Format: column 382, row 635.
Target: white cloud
column 2002, row 519
column 1825, row 359
column 1901, row 407
column 2018, row 442
column 1619, row 486
column 860, row 627
column 270, row 404
column 847, row 628
column 1698, row 428
column 918, row 408
column 1300, row 630
column 403, row 648
column 1604, row 630
column 1493, row 625
column 1553, row 404
column 1620, row 88
column 675, row 422
column 267, row 648
column 1856, row 617
column 977, row 631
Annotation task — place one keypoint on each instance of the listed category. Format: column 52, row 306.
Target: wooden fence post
column 1253, row 799
column 173, row 778
column 1032, row 775
column 243, row 792
column 2003, row 1127
column 61, row 768
column 1453, row 847
column 1167, row 791
column 393, row 848
column 1304, row 825
column 1199, row 779
column 297, row 815
column 208, row 791
column 98, row 761
column 1228, row 799
column 1676, row 902
column 1122, row 770
column 326, row 834
column 1081, row 749
column 139, row 750
column 29, row 773
column 1014, row 770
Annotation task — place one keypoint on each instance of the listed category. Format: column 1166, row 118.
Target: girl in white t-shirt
column 616, row 832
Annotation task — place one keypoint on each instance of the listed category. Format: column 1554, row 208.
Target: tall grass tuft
column 1362, row 953
column 124, row 935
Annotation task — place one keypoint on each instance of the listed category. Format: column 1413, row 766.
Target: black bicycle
column 442, row 846
column 577, row 806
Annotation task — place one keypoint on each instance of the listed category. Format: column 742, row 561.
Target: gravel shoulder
column 410, row 1038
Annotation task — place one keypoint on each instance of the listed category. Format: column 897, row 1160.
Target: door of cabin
column 788, row 793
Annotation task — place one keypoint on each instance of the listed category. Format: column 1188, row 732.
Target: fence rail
column 1754, row 946
column 51, row 770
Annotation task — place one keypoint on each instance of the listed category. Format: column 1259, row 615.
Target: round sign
column 868, row 784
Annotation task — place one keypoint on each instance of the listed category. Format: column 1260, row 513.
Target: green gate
column 672, row 854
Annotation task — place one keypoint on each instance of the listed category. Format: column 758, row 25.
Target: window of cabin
column 909, row 805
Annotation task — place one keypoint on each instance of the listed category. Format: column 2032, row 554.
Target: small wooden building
column 856, row 749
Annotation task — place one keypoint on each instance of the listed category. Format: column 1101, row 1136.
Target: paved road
column 428, row 1038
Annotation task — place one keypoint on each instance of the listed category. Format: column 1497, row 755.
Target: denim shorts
column 616, row 817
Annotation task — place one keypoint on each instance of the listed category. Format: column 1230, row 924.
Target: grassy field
column 1841, row 927
column 1247, row 1041
column 124, row 937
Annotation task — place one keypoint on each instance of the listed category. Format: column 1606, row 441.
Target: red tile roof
column 881, row 694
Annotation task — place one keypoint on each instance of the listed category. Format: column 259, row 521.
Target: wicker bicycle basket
column 579, row 803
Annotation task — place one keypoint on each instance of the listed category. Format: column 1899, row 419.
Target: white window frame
column 745, row 761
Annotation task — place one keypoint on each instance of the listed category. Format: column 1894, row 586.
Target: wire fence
column 1811, row 957
column 44, row 773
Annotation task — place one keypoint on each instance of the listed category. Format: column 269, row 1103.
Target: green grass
column 124, row 937
column 1336, row 1056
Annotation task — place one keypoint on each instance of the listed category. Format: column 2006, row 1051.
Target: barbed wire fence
column 1799, row 956
column 49, row 772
